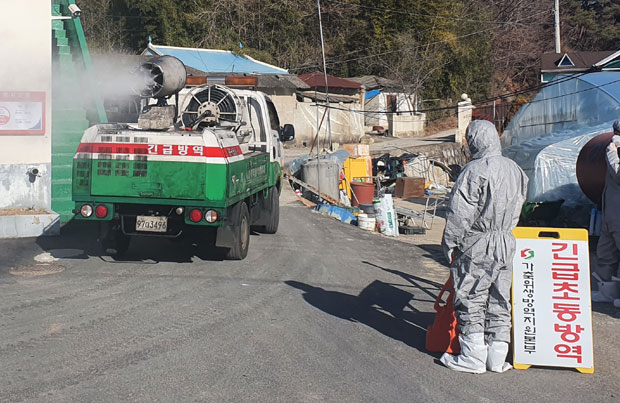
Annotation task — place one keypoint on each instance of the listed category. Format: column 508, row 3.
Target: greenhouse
column 546, row 135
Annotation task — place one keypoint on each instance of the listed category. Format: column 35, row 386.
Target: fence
column 499, row 113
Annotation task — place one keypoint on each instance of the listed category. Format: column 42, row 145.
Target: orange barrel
column 362, row 193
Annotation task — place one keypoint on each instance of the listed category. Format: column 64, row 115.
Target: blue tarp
column 372, row 94
column 339, row 213
column 215, row 61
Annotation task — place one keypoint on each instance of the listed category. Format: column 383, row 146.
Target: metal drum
column 324, row 176
column 592, row 167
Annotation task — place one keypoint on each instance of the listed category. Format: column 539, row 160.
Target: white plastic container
column 366, row 223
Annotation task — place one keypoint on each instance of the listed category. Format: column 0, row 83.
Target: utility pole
column 557, row 26
column 329, row 125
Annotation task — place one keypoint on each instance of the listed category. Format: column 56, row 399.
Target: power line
column 446, row 108
column 535, row 87
column 431, row 16
column 310, row 64
column 314, row 63
column 395, row 51
column 576, row 92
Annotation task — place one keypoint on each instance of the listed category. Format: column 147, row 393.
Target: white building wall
column 405, row 124
column 378, row 104
column 286, row 106
column 25, row 29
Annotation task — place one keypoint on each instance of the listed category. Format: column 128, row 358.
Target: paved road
column 318, row 312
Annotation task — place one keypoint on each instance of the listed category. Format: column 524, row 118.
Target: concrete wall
column 408, row 125
column 286, row 104
column 405, row 124
column 25, row 29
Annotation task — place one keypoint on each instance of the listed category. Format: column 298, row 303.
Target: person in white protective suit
column 608, row 248
column 484, row 208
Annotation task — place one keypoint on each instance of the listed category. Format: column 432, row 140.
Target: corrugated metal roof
column 215, row 61
column 319, row 96
column 194, row 72
column 281, row 81
column 264, row 80
column 376, row 82
column 317, row 79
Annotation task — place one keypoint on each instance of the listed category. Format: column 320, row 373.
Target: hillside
column 440, row 47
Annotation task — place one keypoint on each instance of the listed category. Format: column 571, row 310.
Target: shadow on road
column 79, row 240
column 420, row 283
column 380, row 306
column 606, row 309
column 435, row 252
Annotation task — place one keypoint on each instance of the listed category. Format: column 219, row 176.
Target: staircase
column 69, row 117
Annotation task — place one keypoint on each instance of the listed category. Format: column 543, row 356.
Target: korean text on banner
column 22, row 112
column 551, row 299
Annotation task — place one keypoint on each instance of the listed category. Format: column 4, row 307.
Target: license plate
column 151, row 224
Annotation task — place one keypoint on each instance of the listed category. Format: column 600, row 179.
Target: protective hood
column 482, row 139
column 617, row 126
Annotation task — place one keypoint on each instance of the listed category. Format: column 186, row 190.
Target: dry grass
column 440, row 125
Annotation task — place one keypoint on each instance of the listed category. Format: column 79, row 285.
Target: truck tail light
column 86, row 210
column 211, row 216
column 101, row 211
column 195, row 215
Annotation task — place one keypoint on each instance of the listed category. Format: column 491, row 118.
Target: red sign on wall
column 22, row 112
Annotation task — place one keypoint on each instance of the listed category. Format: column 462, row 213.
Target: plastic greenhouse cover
column 550, row 163
column 546, row 135
column 580, row 102
column 346, row 123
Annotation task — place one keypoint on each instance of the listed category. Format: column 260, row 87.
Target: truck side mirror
column 287, row 133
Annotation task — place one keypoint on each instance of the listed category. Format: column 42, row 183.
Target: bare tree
column 103, row 30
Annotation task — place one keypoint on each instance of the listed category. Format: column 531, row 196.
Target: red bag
column 443, row 335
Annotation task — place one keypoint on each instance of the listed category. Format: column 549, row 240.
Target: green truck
column 214, row 168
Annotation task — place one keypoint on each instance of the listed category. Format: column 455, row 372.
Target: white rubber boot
column 496, row 358
column 617, row 281
column 473, row 355
column 607, row 292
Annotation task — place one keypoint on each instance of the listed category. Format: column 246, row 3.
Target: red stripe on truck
column 159, row 149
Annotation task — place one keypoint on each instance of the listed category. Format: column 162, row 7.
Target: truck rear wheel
column 241, row 229
column 272, row 209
